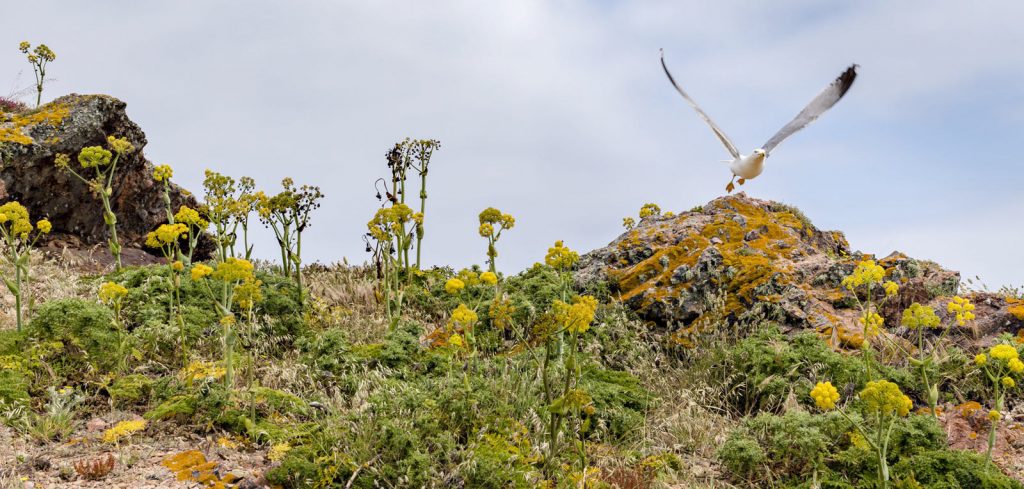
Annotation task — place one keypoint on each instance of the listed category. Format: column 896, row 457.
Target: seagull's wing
column 824, row 101
column 718, row 132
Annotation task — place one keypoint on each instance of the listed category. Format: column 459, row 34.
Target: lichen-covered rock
column 740, row 260
column 30, row 140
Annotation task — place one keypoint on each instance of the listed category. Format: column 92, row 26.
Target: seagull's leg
column 729, row 188
column 741, row 181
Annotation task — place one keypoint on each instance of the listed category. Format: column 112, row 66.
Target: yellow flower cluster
column 111, row 292
column 44, row 226
column 489, row 278
column 189, row 216
column 166, row 234
column 456, row 340
column 885, row 398
column 980, row 359
column 201, row 271
column 463, row 316
column 41, row 51
column 963, row 309
column 234, row 270
column 866, row 273
column 248, row 293
column 576, row 317
column 872, row 323
column 649, row 209
column 891, row 288
column 994, row 416
column 469, row 277
column 387, row 222
column 561, row 257
column 93, row 157
column 454, row 286
column 491, row 215
column 825, row 395
column 918, row 316
column 14, row 217
column 162, row 173
column 123, row 429
column 500, row 312
column 1003, row 352
column 120, row 145
column 628, row 222
column 1008, row 382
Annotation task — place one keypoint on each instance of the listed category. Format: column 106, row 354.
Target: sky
column 558, row 113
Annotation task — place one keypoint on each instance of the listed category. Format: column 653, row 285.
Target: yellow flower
column 111, row 292
column 1016, row 366
column 123, row 429
column 866, row 273
column 469, row 277
column 454, row 286
column 994, row 415
column 872, row 323
column 963, row 309
column 980, row 359
column 489, row 278
column 201, row 271
column 228, row 320
column 93, row 157
column 456, row 340
column 1008, row 383
column 918, row 316
column 576, row 317
column 463, row 316
column 177, row 266
column 885, row 398
column 486, row 230
column 162, row 173
column 120, row 145
column 560, row 257
column 1003, row 352
column 891, row 288
column 234, row 270
column 825, row 395
column 649, row 209
column 191, row 217
column 15, row 217
column 166, row 235
column 44, row 226
column 24, row 46
column 628, row 222
column 248, row 294
column 278, row 451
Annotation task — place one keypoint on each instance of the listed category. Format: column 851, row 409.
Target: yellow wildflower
column 456, row 340
column 980, row 359
column 918, row 316
column 1003, row 352
column 463, row 316
column 201, row 271
column 885, row 398
column 454, row 286
column 891, row 288
column 166, row 235
column 123, row 429
column 489, row 278
column 1008, row 382
column 825, row 395
column 1016, row 366
column 93, row 157
column 560, row 257
column 486, row 230
column 469, row 277
column 994, row 415
column 111, row 292
column 963, row 308
column 177, row 266
column 872, row 323
column 24, row 46
column 628, row 222
column 120, row 145
column 248, row 294
column 576, row 317
column 44, row 226
column 866, row 273
column 162, row 173
column 191, row 217
column 234, row 270
column 649, row 209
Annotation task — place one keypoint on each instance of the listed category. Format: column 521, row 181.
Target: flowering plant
column 38, row 58
column 16, row 232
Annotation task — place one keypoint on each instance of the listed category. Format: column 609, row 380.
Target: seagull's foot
column 729, row 188
column 741, row 181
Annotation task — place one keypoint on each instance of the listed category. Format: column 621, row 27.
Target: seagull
column 747, row 167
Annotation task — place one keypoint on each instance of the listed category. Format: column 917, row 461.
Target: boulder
column 30, row 140
column 740, row 261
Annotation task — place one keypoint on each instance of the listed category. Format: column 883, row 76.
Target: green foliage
column 741, row 454
column 952, row 469
column 13, row 388
column 86, row 330
column 130, row 390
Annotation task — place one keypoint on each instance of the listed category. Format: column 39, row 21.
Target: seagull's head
column 760, row 152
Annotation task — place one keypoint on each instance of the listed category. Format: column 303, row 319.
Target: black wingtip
column 845, row 80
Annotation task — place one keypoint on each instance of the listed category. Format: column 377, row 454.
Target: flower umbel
column 825, row 395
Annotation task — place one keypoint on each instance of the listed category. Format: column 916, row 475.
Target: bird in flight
column 746, row 167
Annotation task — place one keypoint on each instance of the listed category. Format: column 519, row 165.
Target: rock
column 746, row 261
column 95, row 424
column 28, row 144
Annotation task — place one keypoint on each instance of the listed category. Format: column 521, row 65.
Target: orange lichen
column 968, row 408
column 52, row 115
column 1016, row 307
column 192, row 466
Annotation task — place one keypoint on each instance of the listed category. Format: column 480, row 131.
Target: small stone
column 95, row 424
column 716, row 240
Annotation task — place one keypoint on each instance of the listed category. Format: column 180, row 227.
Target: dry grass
column 51, row 277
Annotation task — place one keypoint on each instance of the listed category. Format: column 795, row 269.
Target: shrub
column 130, row 390
column 952, row 469
column 84, row 327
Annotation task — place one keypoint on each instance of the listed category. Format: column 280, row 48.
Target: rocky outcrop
column 30, row 140
column 739, row 261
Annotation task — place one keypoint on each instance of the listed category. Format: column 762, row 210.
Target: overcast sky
column 558, row 112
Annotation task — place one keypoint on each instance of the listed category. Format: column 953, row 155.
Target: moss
column 178, row 407
column 130, row 390
column 86, row 330
column 952, row 469
column 13, row 387
column 298, row 469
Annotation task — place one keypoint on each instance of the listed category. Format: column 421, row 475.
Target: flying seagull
column 750, row 166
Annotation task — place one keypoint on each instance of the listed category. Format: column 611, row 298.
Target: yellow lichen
column 192, row 466
column 52, row 115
